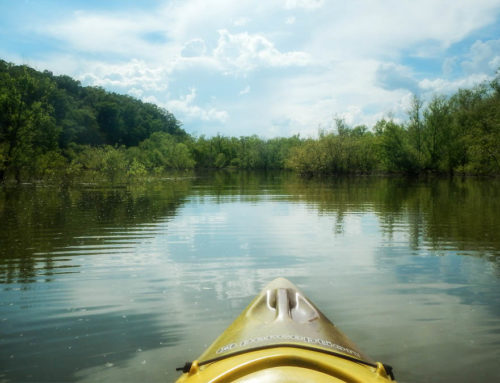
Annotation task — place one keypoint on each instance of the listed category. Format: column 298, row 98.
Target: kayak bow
column 282, row 337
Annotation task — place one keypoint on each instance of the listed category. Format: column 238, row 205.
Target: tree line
column 53, row 127
column 459, row 134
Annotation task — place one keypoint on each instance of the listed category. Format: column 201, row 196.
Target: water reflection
column 123, row 283
column 44, row 227
column 436, row 213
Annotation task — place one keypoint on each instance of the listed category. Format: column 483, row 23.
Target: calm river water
column 126, row 283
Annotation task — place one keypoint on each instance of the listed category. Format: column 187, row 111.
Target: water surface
column 108, row 283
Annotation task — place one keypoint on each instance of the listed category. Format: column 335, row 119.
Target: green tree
column 27, row 124
column 162, row 151
column 437, row 134
column 396, row 150
column 464, row 105
column 416, row 129
column 484, row 146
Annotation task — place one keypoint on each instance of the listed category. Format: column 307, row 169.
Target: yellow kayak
column 282, row 337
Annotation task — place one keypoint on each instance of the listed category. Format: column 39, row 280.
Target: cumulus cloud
column 245, row 90
column 477, row 65
column 243, row 52
column 194, row 48
column 443, row 86
column 135, row 92
column 311, row 100
column 306, row 4
column 241, row 21
column 133, row 75
column 483, row 57
column 185, row 106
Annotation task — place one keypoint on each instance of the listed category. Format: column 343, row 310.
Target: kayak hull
column 283, row 337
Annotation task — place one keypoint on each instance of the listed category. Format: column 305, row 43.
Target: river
column 125, row 283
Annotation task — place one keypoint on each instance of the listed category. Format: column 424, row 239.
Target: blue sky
column 271, row 68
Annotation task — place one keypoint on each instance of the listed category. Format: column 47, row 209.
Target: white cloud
column 134, row 74
column 483, row 57
column 241, row 21
column 194, row 48
column 106, row 33
column 186, row 107
column 303, row 103
column 135, row 92
column 443, row 86
column 478, row 65
column 245, row 90
column 243, row 52
column 290, row 20
column 193, row 18
column 306, row 4
column 390, row 28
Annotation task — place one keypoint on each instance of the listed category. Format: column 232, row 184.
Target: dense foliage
column 46, row 120
column 52, row 127
column 457, row 134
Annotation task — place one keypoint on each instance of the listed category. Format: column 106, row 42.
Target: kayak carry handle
column 191, row 367
column 185, row 368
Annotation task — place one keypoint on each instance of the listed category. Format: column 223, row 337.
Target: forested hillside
column 53, row 127
column 45, row 119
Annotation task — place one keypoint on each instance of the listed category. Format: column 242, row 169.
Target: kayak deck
column 282, row 337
